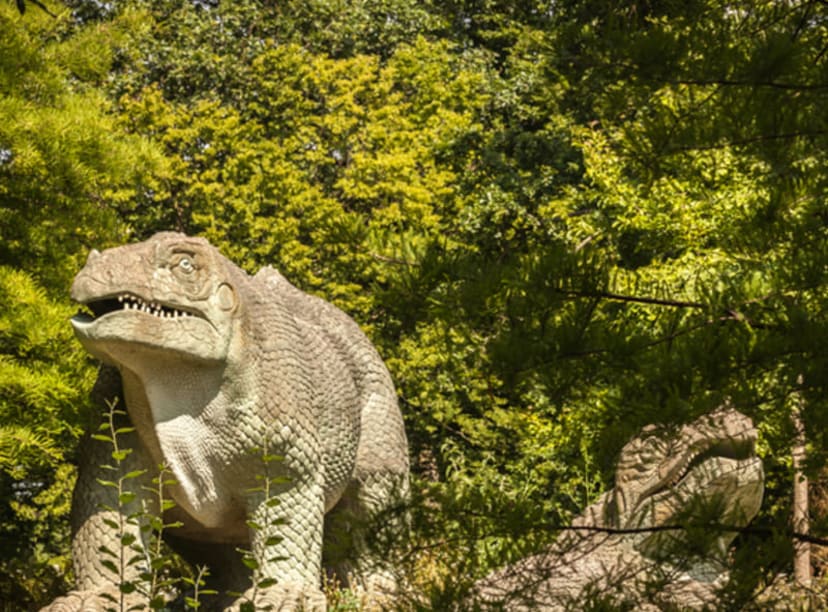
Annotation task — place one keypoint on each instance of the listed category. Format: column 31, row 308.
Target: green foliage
column 64, row 171
column 126, row 517
column 65, row 168
column 42, row 388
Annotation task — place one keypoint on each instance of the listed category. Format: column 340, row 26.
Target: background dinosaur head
column 707, row 471
column 170, row 295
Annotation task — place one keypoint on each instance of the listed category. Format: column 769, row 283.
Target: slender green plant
column 159, row 559
column 268, row 484
column 197, row 583
column 149, row 555
column 119, row 561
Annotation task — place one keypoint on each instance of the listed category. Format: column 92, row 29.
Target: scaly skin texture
column 707, row 469
column 217, row 367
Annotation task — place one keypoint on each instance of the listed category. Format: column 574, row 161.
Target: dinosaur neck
column 174, row 406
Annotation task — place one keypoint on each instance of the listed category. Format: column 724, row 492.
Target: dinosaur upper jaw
column 126, row 302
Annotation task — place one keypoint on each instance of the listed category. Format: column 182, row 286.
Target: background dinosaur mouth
column 737, row 449
column 126, row 301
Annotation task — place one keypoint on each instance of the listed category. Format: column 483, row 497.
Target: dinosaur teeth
column 132, row 302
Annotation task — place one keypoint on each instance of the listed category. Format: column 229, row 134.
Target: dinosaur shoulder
column 307, row 309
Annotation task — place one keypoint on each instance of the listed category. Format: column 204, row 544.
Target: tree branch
column 606, row 295
column 747, row 83
column 746, row 141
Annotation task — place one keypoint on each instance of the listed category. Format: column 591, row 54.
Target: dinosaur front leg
column 286, row 541
column 105, row 528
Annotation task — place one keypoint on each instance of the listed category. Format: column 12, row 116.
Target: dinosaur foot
column 284, row 597
column 90, row 601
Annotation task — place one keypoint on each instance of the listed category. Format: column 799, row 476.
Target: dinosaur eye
column 186, row 265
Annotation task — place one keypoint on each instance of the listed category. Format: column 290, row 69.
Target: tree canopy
column 559, row 222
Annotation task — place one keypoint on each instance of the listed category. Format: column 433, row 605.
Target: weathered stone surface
column 215, row 366
column 707, row 469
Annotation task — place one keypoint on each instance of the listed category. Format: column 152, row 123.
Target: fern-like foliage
column 44, row 380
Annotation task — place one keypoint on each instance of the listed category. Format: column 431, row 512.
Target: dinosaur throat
column 129, row 302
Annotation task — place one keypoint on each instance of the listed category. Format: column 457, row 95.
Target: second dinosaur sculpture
column 619, row 552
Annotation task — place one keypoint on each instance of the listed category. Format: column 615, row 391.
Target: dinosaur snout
column 101, row 276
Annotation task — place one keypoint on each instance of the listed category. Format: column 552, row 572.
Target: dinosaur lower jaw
column 127, row 336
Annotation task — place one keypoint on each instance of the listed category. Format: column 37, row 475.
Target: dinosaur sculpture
column 707, row 469
column 215, row 365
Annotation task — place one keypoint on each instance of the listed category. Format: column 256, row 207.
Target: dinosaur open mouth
column 737, row 449
column 126, row 301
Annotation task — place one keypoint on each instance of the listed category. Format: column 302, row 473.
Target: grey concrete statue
column 707, row 469
column 215, row 365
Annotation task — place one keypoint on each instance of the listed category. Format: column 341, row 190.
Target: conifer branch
column 607, row 295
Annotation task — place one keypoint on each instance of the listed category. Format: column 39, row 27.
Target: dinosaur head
column 170, row 295
column 709, row 466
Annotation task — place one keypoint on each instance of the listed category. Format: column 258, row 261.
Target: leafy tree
column 64, row 172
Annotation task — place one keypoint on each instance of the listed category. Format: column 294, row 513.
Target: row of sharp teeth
column 132, row 302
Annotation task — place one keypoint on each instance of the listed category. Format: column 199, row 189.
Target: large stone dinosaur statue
column 708, row 469
column 214, row 366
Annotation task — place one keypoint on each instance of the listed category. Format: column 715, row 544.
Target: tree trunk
column 801, row 523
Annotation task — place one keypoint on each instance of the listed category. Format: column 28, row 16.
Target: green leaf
column 122, row 454
column 106, row 551
column 250, row 563
column 111, row 523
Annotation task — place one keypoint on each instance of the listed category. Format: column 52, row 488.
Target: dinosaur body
column 707, row 469
column 216, row 368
